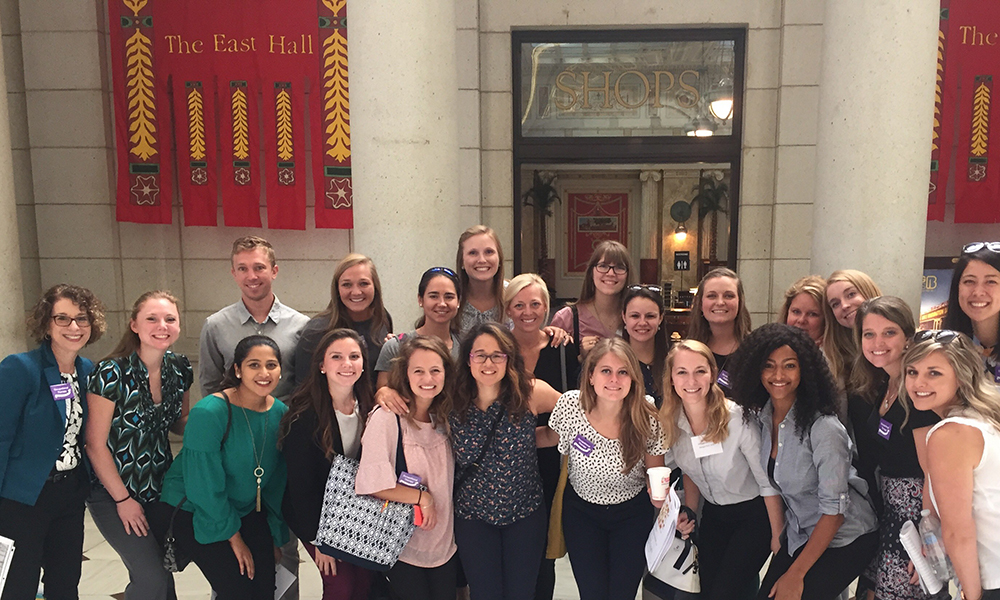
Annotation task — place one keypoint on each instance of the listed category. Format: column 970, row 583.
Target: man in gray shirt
column 258, row 312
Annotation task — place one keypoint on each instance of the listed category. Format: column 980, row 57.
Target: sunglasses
column 638, row 288
column 444, row 270
column 973, row 247
column 941, row 336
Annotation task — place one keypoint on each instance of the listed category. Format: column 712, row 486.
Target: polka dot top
column 595, row 462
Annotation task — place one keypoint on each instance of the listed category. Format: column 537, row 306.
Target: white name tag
column 703, row 448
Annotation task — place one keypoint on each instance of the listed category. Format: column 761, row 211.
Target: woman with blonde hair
column 720, row 318
column 355, row 303
column 803, row 307
column 610, row 432
column 719, row 453
column 846, row 290
column 944, row 373
column 480, row 267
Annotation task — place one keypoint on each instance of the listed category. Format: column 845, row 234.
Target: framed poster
column 593, row 218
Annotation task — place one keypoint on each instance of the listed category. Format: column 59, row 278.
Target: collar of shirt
column 274, row 315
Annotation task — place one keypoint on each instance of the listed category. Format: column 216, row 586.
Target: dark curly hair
column 41, row 315
column 817, row 393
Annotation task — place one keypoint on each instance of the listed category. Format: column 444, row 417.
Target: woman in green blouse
column 229, row 478
column 136, row 395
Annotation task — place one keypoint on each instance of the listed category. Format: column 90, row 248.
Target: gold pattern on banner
column 335, row 6
column 283, row 106
column 937, row 92
column 141, row 104
column 135, row 5
column 336, row 105
column 980, row 120
column 241, row 132
column 196, row 124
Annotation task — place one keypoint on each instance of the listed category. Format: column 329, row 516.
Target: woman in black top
column 326, row 416
column 720, row 318
column 643, row 317
column 890, row 437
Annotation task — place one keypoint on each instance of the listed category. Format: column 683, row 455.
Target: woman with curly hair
column 785, row 387
column 845, row 291
column 720, row 318
column 355, row 303
column 803, row 307
column 610, row 432
column 326, row 417
column 974, row 301
column 719, row 452
column 943, row 373
column 642, row 314
column 43, row 477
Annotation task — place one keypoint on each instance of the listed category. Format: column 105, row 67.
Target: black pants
column 733, row 542
column 991, row 594
column 48, row 535
column 831, row 574
column 217, row 561
column 607, row 544
column 501, row 563
column 549, row 465
column 407, row 582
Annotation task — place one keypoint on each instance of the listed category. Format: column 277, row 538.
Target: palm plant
column 541, row 196
column 712, row 196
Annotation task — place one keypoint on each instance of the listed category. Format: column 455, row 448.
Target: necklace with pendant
column 259, row 471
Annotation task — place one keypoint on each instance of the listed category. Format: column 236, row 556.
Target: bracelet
column 420, row 495
column 127, row 497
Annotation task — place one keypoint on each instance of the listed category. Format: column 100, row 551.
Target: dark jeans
column 549, row 463
column 217, row 561
column 831, row 574
column 501, row 563
column 606, row 544
column 407, row 582
column 991, row 594
column 48, row 535
column 733, row 542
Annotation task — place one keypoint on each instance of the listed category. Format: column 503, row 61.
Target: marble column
column 649, row 251
column 11, row 299
column 874, row 141
column 404, row 137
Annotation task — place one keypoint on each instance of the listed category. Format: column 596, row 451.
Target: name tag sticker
column 723, row 379
column 409, row 479
column 703, row 448
column 582, row 444
column 884, row 428
column 61, row 391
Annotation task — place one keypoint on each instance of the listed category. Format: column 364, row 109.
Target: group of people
column 810, row 441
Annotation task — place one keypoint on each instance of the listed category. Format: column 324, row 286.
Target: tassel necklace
column 259, row 471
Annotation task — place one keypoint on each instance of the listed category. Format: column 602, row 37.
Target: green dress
column 220, row 488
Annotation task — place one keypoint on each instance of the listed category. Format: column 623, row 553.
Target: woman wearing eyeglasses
column 943, row 373
column 643, row 317
column 43, row 474
column 975, row 291
column 598, row 312
column 720, row 318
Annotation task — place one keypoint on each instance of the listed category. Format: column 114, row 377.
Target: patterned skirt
column 903, row 501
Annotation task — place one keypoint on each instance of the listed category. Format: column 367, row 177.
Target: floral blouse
column 139, row 427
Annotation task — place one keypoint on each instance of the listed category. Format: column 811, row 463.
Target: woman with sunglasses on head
column 598, row 312
column 890, row 438
column 974, row 301
column 719, row 452
column 785, row 387
column 355, row 303
column 43, row 477
column 526, row 302
column 428, row 565
column 720, row 318
column 138, row 394
column 643, row 317
column 326, row 417
column 803, row 307
column 943, row 373
column 222, row 496
column 845, row 291
column 610, row 432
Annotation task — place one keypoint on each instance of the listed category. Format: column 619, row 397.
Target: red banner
column 594, row 218
column 944, row 103
column 234, row 75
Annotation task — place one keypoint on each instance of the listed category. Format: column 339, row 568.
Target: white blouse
column 596, row 462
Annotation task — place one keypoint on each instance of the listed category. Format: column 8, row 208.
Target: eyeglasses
column 942, row 336
column 64, row 320
column 444, row 270
column 605, row 267
column 974, row 247
column 497, row 358
column 638, row 288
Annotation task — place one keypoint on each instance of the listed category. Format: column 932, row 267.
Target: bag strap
column 576, row 323
column 474, row 466
column 562, row 365
column 400, row 457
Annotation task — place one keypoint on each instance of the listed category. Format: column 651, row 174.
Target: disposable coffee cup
column 659, row 482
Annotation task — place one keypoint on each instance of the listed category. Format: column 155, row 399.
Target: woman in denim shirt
column 782, row 381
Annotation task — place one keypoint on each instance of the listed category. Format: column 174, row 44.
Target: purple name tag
column 409, row 479
column 61, row 391
column 723, row 379
column 884, row 428
column 996, row 373
column 582, row 444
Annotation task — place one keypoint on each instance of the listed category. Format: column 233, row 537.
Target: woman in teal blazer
column 44, row 479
